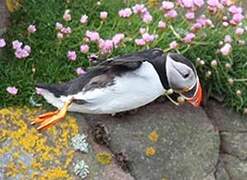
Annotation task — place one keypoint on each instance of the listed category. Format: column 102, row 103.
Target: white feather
column 131, row 90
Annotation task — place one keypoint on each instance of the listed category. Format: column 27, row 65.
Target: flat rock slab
column 26, row 153
column 187, row 145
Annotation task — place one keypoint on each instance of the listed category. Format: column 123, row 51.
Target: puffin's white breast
column 131, row 90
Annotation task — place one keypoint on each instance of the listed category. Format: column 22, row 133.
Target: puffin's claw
column 48, row 119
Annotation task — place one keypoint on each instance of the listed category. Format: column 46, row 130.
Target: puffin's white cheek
column 176, row 81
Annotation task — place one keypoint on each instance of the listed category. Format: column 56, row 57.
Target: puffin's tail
column 56, row 89
column 52, row 93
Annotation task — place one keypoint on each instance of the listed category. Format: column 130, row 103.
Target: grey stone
column 226, row 119
column 187, row 147
column 4, row 17
column 236, row 168
column 234, row 143
column 221, row 173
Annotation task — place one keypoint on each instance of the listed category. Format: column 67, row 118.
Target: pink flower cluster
column 200, row 23
column 12, row 90
column 93, row 36
column 237, row 14
column 84, row 19
column 67, row 15
column 227, row 47
column 62, row 31
column 80, row 71
column 125, row 13
column 189, row 37
column 2, row 43
column 146, row 38
column 71, row 55
column 31, row 28
column 169, row 9
column 143, row 12
column 21, row 51
column 117, row 39
column 106, row 46
column 103, row 15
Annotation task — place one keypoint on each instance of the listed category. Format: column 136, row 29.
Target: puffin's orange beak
column 196, row 100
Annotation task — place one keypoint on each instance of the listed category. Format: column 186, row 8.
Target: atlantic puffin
column 122, row 83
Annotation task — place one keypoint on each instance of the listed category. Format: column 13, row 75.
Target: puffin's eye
column 186, row 75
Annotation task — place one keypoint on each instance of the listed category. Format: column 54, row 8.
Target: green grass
column 48, row 61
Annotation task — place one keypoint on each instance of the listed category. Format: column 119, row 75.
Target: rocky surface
column 187, row 145
column 233, row 134
column 4, row 17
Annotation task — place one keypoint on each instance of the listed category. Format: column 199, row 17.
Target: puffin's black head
column 182, row 78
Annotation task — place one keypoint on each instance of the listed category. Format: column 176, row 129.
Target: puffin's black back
column 104, row 73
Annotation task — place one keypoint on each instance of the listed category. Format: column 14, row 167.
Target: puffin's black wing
column 103, row 74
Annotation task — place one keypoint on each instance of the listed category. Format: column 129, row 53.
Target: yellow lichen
column 150, row 151
column 46, row 157
column 104, row 158
column 153, row 136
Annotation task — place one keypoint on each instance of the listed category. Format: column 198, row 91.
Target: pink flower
column 140, row 42
column 16, row 44
column 226, row 49
column 59, row 26
column 117, row 39
column 66, row 30
column 171, row 13
column 93, row 36
column 60, row 35
column 80, row 71
column 106, row 46
column 125, row 13
column 2, row 43
column 225, row 24
column 84, row 19
column 71, row 55
column 21, row 53
column 167, row 5
column 31, row 28
column 84, row 48
column 239, row 31
column 148, row 37
column 190, row 15
column 188, row 3
column 236, row 19
column 27, row 48
column 103, row 15
column 142, row 30
column 173, row 45
column 12, row 90
column 228, row 39
column 198, row 3
column 66, row 15
column 139, row 9
column 213, row 3
column 147, row 18
column 235, row 10
column 162, row 25
column 189, row 37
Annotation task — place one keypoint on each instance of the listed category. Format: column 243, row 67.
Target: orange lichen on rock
column 35, row 155
column 153, row 136
column 150, row 151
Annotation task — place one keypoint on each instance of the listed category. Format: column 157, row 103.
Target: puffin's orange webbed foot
column 49, row 119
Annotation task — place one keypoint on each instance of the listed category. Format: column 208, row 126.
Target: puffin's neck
column 159, row 64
